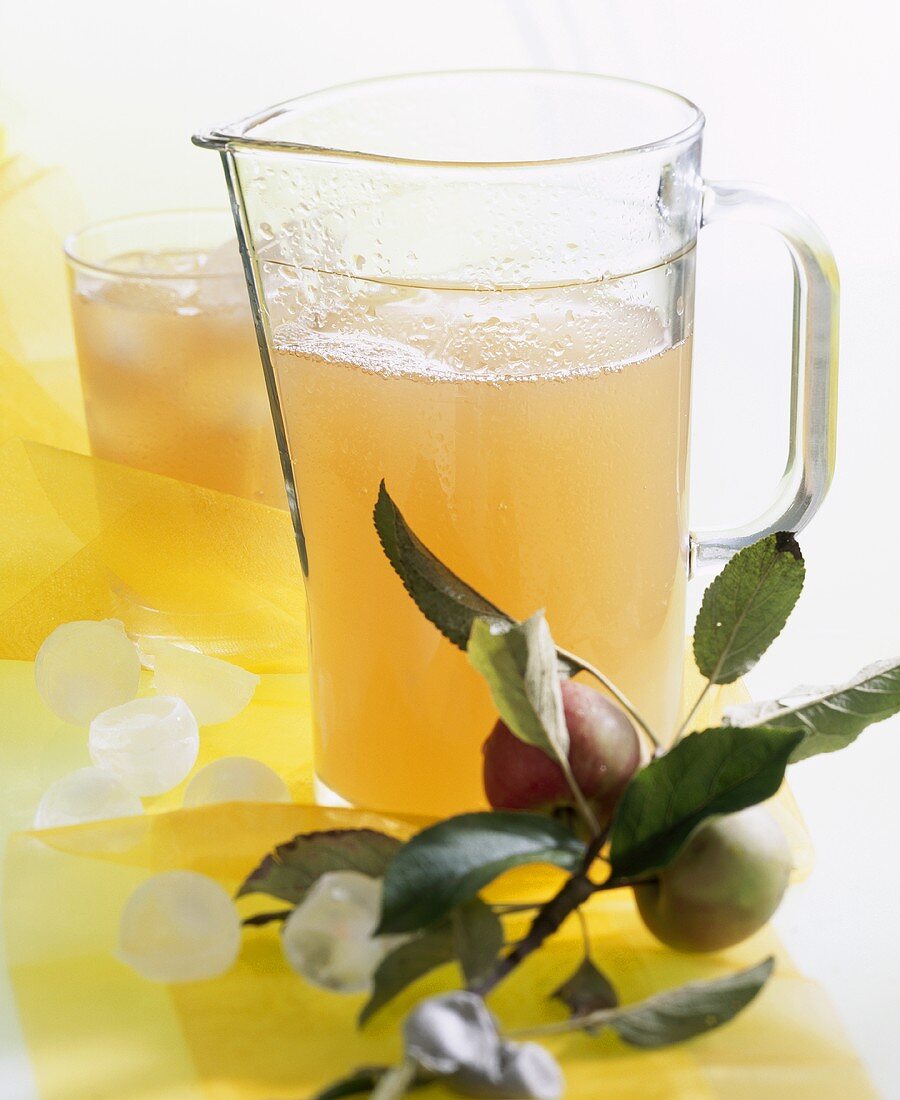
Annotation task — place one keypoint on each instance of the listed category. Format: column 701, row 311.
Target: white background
column 799, row 94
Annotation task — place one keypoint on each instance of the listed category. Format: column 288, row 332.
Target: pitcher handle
column 810, row 461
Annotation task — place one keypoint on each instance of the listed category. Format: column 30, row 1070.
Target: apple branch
column 574, row 892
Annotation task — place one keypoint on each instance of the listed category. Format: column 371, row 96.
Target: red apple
column 604, row 752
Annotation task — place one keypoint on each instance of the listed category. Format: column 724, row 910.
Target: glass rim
column 73, row 240
column 236, row 135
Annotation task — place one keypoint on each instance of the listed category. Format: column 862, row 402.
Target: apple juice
column 170, row 371
column 536, row 441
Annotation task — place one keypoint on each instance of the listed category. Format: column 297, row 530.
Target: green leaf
column 830, row 717
column 448, row 863
column 519, row 664
column 477, row 938
column 717, row 771
column 472, row 935
column 588, row 990
column 259, row 919
column 690, row 1010
column 294, row 867
column 746, row 606
column 442, row 597
column 364, row 1079
column 406, row 964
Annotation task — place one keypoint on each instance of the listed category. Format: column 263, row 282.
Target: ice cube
column 236, row 779
column 84, row 668
column 149, row 745
column 89, row 794
column 224, row 259
column 179, row 926
column 215, row 690
column 221, row 284
column 147, row 648
column 328, row 939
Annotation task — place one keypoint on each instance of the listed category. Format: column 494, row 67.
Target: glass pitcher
column 479, row 287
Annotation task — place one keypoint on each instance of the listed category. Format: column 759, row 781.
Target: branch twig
column 573, row 893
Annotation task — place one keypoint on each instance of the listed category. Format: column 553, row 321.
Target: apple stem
column 698, row 702
column 396, row 1082
column 620, row 697
column 562, row 1027
column 580, row 801
column 618, row 883
column 585, row 937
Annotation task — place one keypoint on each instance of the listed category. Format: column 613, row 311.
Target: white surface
column 801, row 96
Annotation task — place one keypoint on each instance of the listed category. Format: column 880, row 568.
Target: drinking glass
column 479, row 287
column 167, row 352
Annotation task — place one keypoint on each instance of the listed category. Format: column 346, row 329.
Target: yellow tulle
column 92, row 539
column 81, row 538
column 41, row 397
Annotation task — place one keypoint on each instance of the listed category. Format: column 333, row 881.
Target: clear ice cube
column 84, row 668
column 328, row 938
column 236, row 779
column 149, row 745
column 224, row 259
column 89, row 794
column 179, row 926
column 147, row 648
column 216, row 691
column 221, row 284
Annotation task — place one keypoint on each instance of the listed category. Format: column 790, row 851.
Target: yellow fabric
column 92, row 539
column 97, row 1030
column 41, row 398
column 81, row 538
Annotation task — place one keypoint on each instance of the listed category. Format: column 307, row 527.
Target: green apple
column 724, row 884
